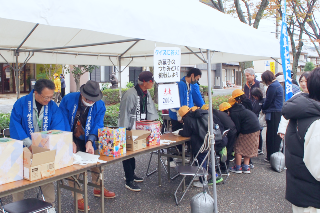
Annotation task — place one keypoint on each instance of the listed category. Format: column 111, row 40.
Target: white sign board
column 168, row 96
column 166, row 61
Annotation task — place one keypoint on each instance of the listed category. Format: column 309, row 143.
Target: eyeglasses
column 46, row 98
column 87, row 100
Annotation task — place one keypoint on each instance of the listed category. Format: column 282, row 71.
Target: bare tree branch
column 239, row 11
column 248, row 11
column 312, row 40
column 215, row 5
column 264, row 4
column 221, row 5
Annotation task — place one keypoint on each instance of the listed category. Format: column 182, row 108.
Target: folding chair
column 6, row 133
column 30, row 205
column 192, row 170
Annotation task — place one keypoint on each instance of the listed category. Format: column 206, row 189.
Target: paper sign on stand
column 168, row 96
column 167, row 64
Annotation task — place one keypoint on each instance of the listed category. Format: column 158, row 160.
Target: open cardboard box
column 140, row 142
column 38, row 164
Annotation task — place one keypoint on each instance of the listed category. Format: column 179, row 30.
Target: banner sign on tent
column 284, row 53
column 168, row 96
column 167, row 64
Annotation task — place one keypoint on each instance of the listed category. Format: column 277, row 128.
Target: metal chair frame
column 196, row 171
column 39, row 194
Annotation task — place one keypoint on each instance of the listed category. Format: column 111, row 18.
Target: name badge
column 143, row 116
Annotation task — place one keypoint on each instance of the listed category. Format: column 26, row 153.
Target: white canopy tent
column 107, row 32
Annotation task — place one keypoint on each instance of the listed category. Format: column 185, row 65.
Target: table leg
column 59, row 196
column 183, row 163
column 168, row 167
column 75, row 198
column 102, row 189
column 85, row 189
column 159, row 167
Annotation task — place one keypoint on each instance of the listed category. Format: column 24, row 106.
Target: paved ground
column 261, row 191
column 7, row 101
column 227, row 91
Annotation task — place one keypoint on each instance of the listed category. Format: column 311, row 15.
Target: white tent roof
column 160, row 23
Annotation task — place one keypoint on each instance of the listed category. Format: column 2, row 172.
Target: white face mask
column 86, row 104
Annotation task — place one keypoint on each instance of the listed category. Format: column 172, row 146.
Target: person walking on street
column 57, row 90
column 136, row 105
column 63, row 86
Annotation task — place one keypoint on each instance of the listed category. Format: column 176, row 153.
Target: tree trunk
column 244, row 65
column 77, row 80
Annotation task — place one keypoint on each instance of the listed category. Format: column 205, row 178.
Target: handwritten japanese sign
column 168, row 96
column 167, row 64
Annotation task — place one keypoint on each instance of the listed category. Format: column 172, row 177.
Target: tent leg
column 17, row 76
column 120, row 76
column 211, row 133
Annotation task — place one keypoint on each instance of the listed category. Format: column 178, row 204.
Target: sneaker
column 246, row 169
column 107, row 194
column 231, row 159
column 251, row 166
column 137, row 179
column 223, row 155
column 51, row 210
column 132, row 186
column 81, row 205
column 266, row 160
column 236, row 169
column 260, row 152
column 172, row 164
column 218, row 180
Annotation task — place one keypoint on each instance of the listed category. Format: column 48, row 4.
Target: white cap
column 280, row 78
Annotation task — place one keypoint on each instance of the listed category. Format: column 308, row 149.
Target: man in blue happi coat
column 34, row 113
column 84, row 113
column 188, row 96
column 189, row 93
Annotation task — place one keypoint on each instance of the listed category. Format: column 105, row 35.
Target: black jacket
column 192, row 128
column 256, row 106
column 247, row 103
column 225, row 119
column 302, row 190
column 245, row 120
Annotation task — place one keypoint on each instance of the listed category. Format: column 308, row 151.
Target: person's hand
column 281, row 135
column 74, row 147
column 89, row 147
column 30, row 148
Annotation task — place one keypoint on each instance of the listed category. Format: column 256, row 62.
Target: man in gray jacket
column 136, row 105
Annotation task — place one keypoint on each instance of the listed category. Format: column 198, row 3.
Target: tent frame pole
column 211, row 132
column 83, row 45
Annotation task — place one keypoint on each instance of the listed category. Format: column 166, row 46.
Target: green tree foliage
column 309, row 66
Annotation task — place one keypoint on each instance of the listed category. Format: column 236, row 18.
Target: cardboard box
column 140, row 142
column 11, row 160
column 154, row 127
column 112, row 141
column 60, row 141
column 38, row 164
